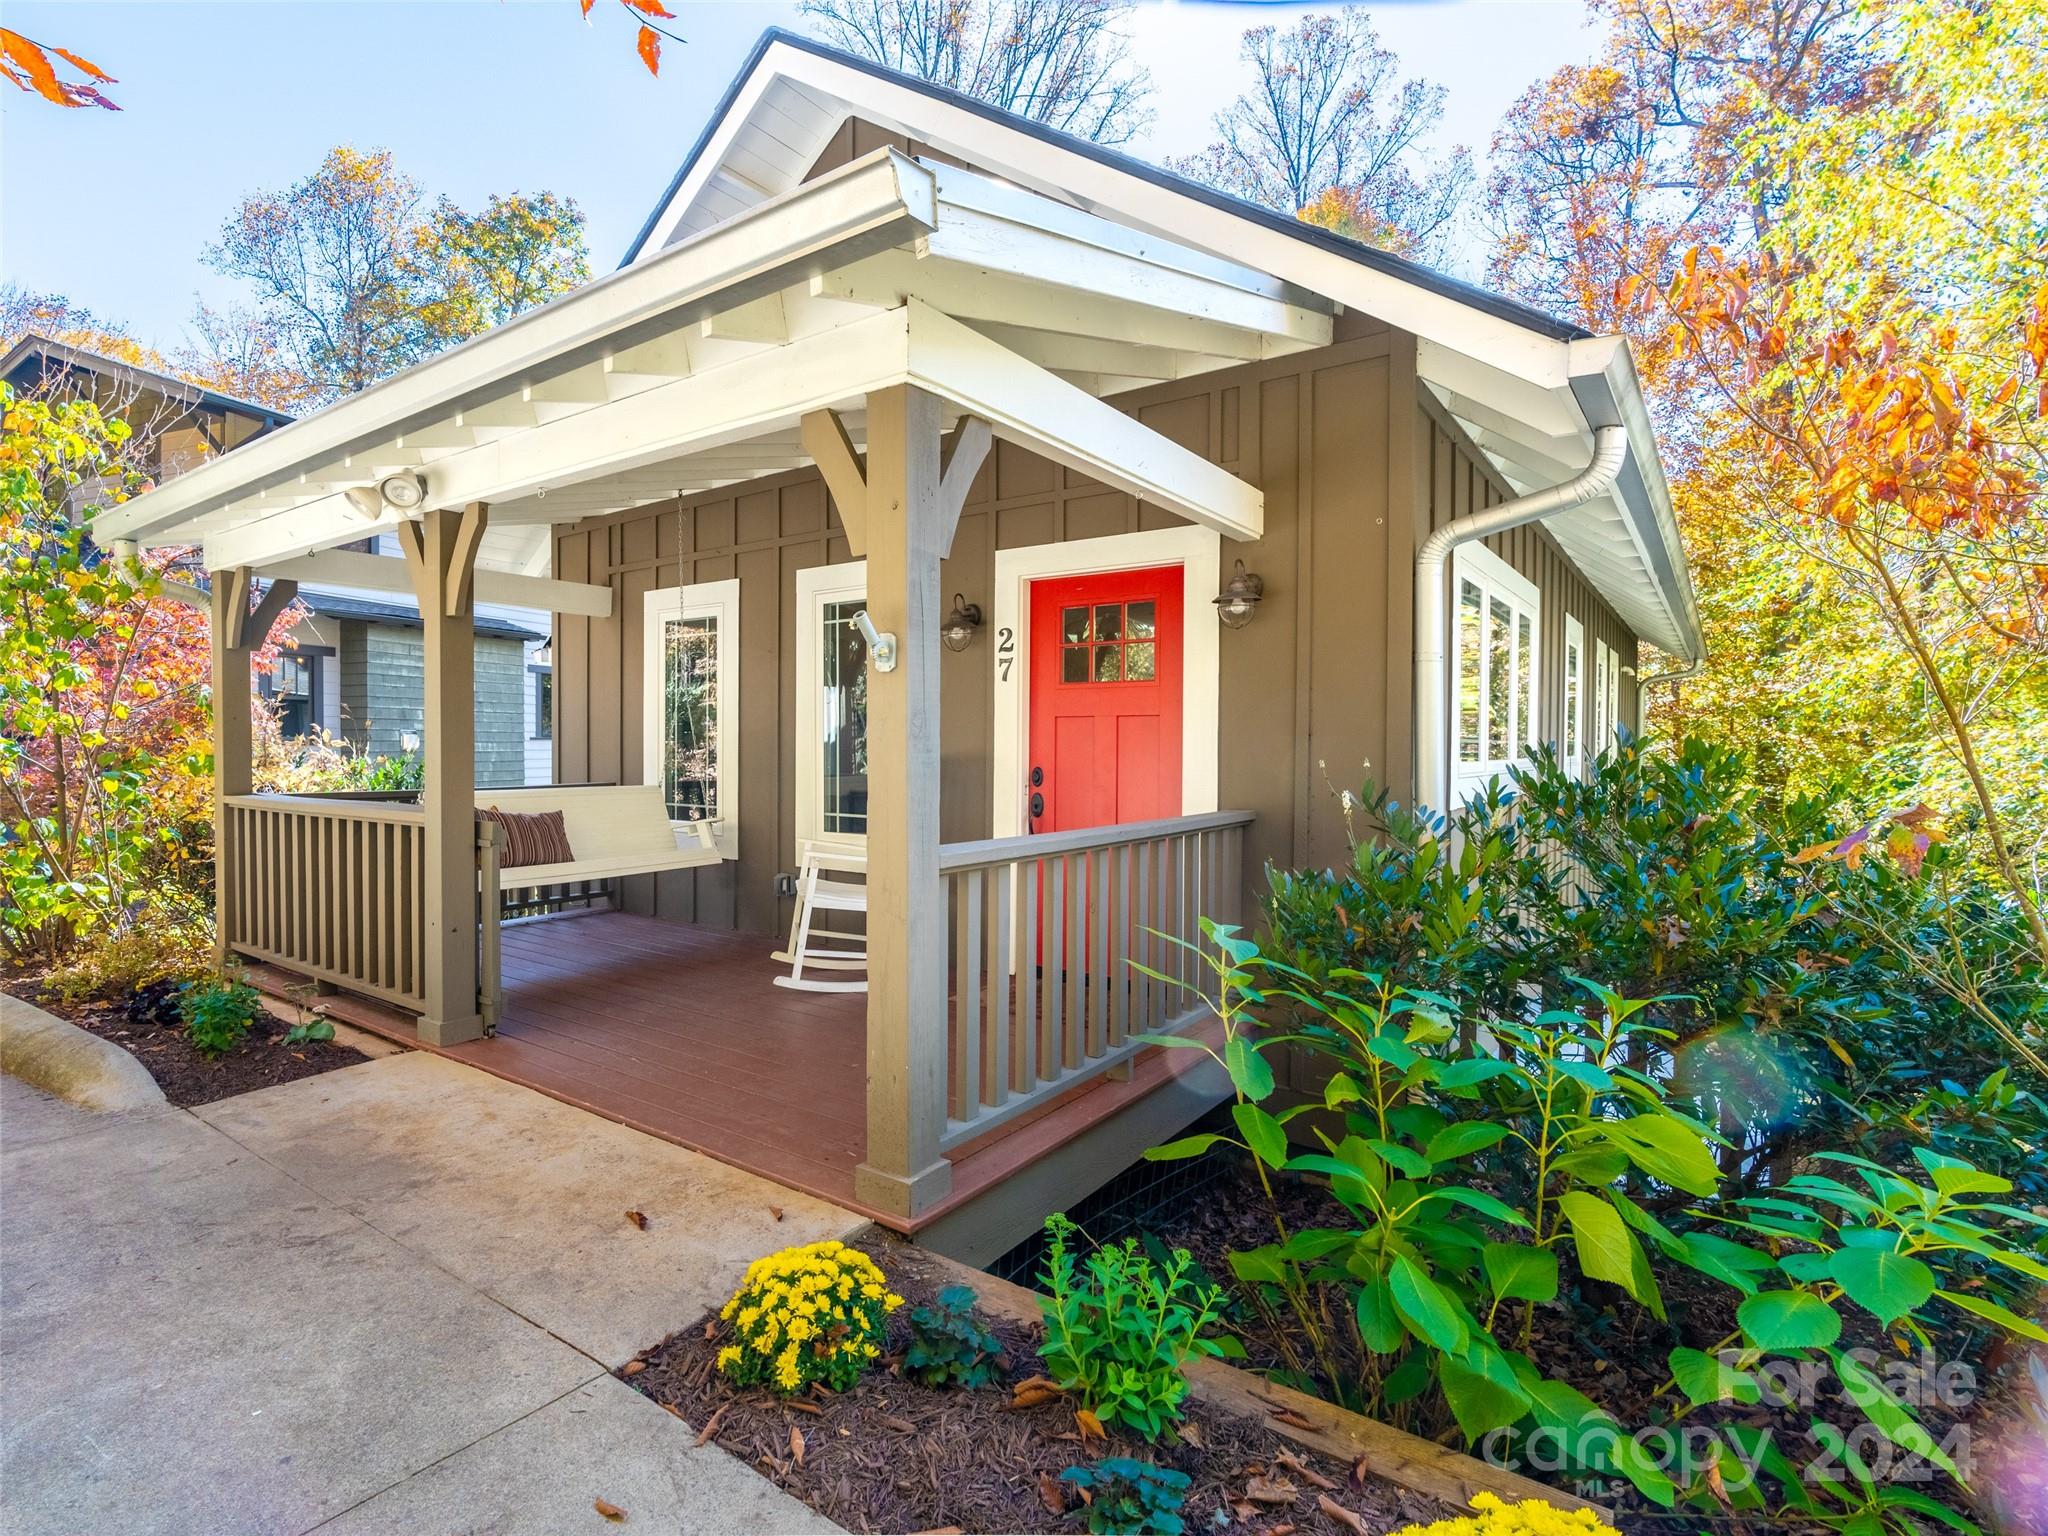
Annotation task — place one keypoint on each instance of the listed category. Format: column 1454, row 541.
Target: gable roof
column 1295, row 229
column 1528, row 389
column 62, row 356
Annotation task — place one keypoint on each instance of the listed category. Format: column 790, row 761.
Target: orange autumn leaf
column 649, row 8
column 650, row 50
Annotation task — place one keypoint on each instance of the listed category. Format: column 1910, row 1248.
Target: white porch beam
column 770, row 389
column 1031, row 407
column 872, row 205
column 885, row 281
column 379, row 573
column 1539, row 408
column 1064, row 353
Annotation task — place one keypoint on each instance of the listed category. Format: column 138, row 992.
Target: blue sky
column 481, row 96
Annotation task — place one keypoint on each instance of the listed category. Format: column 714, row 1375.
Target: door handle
column 1037, row 802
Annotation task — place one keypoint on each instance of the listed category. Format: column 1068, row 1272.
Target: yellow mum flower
column 1531, row 1517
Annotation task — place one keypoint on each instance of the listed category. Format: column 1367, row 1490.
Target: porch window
column 690, row 690
column 1499, row 619
column 832, row 706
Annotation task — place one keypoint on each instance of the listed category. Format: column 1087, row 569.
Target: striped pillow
column 535, row 838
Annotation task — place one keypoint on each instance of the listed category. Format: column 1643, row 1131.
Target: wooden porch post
column 904, row 1171
column 233, row 740
column 237, row 633
column 440, row 551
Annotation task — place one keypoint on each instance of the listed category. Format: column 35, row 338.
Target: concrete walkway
column 384, row 1299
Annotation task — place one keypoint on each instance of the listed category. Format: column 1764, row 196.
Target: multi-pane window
column 1109, row 642
column 691, row 689
column 292, row 686
column 1494, row 687
column 689, row 767
column 843, row 720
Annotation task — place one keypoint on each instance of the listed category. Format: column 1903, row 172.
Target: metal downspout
column 1432, row 600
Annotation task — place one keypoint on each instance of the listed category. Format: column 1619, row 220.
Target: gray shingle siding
column 383, row 691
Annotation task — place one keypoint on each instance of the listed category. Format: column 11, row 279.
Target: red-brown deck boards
column 680, row 1031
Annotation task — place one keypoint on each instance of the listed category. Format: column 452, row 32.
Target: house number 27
column 1006, row 652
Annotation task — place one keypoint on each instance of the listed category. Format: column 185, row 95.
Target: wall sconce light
column 961, row 624
column 1240, row 598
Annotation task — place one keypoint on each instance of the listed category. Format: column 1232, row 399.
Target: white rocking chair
column 826, row 949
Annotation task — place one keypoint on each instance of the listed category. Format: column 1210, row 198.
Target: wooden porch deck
column 679, row 1031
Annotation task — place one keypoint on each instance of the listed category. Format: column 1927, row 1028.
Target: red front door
column 1105, row 699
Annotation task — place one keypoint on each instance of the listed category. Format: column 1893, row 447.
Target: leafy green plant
column 217, row 1014
column 1126, row 1497
column 312, row 1032
column 1119, row 1330
column 949, row 1345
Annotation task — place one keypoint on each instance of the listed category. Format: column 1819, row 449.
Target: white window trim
column 1199, row 554
column 1574, row 759
column 816, row 586
column 718, row 600
column 1495, row 578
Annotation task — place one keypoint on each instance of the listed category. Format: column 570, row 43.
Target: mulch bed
column 1616, row 1352
column 187, row 1078
column 890, row 1455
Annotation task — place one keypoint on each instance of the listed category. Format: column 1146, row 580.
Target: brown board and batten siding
column 1456, row 482
column 1320, row 676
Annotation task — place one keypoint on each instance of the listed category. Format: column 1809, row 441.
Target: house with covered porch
column 1020, row 535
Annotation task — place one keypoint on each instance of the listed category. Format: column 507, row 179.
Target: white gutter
column 1432, row 598
column 1675, row 675
column 178, row 591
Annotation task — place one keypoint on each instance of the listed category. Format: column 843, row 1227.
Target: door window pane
column 1075, row 660
column 1109, row 621
column 1074, row 625
column 690, row 718
column 1139, row 662
column 844, row 675
column 1109, row 663
column 1140, row 620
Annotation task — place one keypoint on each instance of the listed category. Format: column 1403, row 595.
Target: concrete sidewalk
column 387, row 1298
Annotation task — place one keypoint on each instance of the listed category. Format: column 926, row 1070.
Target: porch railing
column 1044, row 932
column 335, row 889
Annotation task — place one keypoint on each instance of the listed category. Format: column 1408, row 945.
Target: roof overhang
column 1527, row 389
column 694, row 369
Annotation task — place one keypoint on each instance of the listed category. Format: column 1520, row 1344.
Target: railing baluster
column 1052, row 1050
column 1075, row 1047
column 1030, row 891
column 967, row 1013
column 1002, row 992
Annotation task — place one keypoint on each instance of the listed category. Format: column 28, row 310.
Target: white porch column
column 904, row 1171
column 440, row 551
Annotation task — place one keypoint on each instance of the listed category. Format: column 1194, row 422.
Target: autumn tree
column 1603, row 174
column 1064, row 63
column 353, row 281
column 1877, row 368
column 1331, row 132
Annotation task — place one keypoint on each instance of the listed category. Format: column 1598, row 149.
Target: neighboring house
column 355, row 671
column 1042, row 531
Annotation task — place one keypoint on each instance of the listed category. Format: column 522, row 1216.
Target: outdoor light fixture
column 961, row 624
column 881, row 647
column 1240, row 598
column 402, row 492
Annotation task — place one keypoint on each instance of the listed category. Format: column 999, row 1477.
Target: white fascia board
column 1060, row 173
column 381, row 573
column 1042, row 412
column 873, row 204
column 1604, row 380
column 770, row 389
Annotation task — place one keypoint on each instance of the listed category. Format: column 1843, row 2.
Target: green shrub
column 949, row 1346
column 217, row 1015
column 127, row 959
column 1119, row 1330
column 1130, row 1498
column 312, row 1032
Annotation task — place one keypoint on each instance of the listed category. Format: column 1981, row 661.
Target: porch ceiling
column 693, row 369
